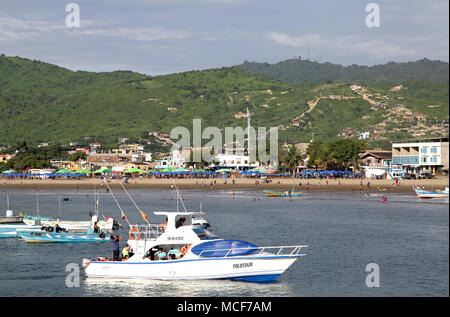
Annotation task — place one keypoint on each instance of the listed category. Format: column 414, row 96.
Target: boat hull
column 10, row 230
column 49, row 237
column 261, row 269
column 71, row 225
column 425, row 194
column 11, row 219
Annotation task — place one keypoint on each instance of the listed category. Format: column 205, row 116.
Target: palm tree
column 291, row 158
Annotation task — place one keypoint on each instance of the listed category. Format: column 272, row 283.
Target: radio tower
column 308, row 50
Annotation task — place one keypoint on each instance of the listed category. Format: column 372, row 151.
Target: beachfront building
column 235, row 161
column 421, row 155
column 376, row 163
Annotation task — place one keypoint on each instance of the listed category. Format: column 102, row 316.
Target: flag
column 123, row 216
column 144, row 216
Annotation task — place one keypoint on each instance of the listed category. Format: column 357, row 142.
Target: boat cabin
column 178, row 232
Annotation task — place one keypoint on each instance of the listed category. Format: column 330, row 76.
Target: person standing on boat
column 180, row 222
column 116, row 249
column 96, row 229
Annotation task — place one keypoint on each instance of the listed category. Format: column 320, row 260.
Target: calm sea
column 406, row 237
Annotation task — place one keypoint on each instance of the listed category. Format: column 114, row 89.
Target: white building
column 364, row 135
column 421, row 155
column 240, row 162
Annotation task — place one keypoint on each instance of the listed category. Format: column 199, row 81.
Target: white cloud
column 382, row 47
column 295, row 41
column 145, row 34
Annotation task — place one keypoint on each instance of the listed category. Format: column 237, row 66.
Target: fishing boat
column 427, row 194
column 107, row 225
column 286, row 193
column 9, row 218
column 56, row 234
column 10, row 230
column 195, row 253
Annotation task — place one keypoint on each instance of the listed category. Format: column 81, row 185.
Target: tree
column 291, row 158
column 346, row 152
column 77, row 156
column 318, row 154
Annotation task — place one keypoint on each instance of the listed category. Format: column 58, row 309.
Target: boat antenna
column 144, row 216
column 123, row 214
column 59, row 207
column 179, row 196
column 38, row 219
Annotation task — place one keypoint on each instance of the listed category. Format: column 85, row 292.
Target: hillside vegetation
column 296, row 71
column 40, row 102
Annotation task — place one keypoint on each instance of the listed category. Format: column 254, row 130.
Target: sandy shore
column 239, row 184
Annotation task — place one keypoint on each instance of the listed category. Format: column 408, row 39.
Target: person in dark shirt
column 116, row 249
column 180, row 222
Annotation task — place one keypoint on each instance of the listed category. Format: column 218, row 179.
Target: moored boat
column 286, row 193
column 9, row 218
column 427, row 194
column 191, row 251
column 10, row 230
column 56, row 234
column 107, row 225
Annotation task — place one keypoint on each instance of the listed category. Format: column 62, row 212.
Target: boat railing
column 146, row 232
column 293, row 250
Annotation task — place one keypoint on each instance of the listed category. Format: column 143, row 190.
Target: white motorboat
column 191, row 252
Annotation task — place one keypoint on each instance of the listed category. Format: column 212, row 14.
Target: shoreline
column 366, row 185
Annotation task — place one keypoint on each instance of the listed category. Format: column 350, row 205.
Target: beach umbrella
column 224, row 170
column 260, row 169
column 181, row 169
column 133, row 170
column 103, row 170
column 168, row 170
column 9, row 172
column 63, row 171
column 82, row 171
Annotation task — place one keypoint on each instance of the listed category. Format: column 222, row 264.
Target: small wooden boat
column 287, row 193
column 427, row 194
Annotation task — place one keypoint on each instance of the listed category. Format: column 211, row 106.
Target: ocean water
column 406, row 237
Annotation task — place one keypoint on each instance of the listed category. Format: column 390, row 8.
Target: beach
column 281, row 184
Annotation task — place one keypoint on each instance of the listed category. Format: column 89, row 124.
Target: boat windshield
column 203, row 233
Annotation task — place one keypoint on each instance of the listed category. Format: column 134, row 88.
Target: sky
column 168, row 36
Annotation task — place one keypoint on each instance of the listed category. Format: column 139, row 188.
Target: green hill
column 296, row 71
column 40, row 102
